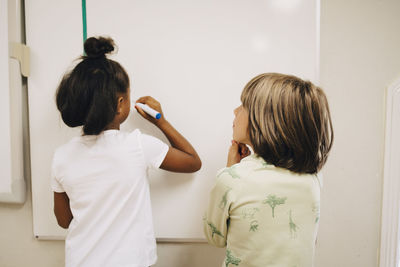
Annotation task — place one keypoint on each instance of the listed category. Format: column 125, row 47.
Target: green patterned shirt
column 264, row 215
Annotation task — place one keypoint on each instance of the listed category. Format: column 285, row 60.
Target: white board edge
column 159, row 240
column 389, row 243
column 18, row 184
column 17, row 194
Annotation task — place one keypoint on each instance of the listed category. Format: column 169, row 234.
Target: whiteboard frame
column 159, row 240
column 389, row 247
column 17, row 192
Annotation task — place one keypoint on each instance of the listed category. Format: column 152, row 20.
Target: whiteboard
column 5, row 149
column 12, row 181
column 193, row 56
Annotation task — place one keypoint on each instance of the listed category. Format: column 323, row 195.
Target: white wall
column 360, row 57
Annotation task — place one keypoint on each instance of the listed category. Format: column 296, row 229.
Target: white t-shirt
column 105, row 178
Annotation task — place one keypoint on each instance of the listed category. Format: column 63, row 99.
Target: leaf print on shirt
column 315, row 208
column 231, row 171
column 273, row 201
column 224, row 199
column 214, row 230
column 253, row 226
column 249, row 213
column 292, row 226
column 230, row 259
column 262, row 164
column 265, row 164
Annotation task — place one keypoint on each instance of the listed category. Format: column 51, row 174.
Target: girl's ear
column 120, row 104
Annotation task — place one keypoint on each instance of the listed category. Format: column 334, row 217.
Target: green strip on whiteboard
column 84, row 21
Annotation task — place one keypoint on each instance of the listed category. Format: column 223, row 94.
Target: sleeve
column 216, row 219
column 154, row 150
column 56, row 186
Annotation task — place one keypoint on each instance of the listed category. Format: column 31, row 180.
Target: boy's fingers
column 244, row 150
column 235, row 145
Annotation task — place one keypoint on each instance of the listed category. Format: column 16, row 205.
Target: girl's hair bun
column 98, row 47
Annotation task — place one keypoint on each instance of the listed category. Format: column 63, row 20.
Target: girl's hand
column 154, row 104
column 236, row 153
column 181, row 156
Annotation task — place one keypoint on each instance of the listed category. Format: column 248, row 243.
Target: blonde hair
column 289, row 121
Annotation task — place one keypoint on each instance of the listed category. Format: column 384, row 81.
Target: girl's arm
column 181, row 156
column 62, row 210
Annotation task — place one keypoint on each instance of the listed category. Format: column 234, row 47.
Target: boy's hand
column 236, row 153
column 154, row 104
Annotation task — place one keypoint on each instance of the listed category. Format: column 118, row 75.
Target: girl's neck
column 112, row 126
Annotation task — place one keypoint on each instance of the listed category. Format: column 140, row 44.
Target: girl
column 101, row 192
column 265, row 207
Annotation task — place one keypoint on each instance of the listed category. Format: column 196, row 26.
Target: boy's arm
column 216, row 219
column 181, row 156
column 62, row 209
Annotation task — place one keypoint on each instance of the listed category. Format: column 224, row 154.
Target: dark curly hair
column 87, row 95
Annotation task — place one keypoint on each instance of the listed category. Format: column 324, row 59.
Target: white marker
column 149, row 110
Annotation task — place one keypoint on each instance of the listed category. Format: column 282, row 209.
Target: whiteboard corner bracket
column 21, row 52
